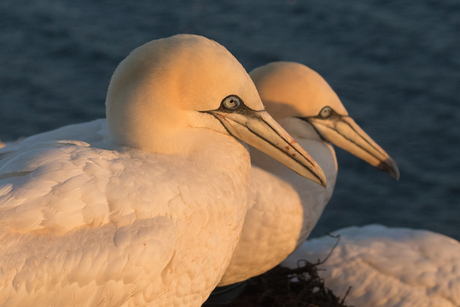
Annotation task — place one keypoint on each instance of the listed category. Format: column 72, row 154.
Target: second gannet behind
column 387, row 267
column 284, row 208
column 143, row 208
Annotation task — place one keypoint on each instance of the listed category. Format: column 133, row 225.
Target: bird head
column 169, row 90
column 300, row 99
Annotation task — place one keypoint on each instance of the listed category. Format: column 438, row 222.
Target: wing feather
column 82, row 225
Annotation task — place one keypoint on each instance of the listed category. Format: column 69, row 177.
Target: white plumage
column 387, row 267
column 80, row 228
column 144, row 208
column 283, row 207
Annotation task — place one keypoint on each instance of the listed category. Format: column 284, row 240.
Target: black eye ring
column 325, row 112
column 231, row 102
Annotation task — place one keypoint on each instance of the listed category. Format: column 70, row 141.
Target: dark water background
column 394, row 64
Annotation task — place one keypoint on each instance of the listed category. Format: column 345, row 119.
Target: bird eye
column 231, row 102
column 325, row 112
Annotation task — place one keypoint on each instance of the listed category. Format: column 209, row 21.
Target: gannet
column 145, row 207
column 284, row 208
column 387, row 267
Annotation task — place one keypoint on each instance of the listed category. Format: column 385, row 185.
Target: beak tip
column 314, row 173
column 389, row 166
column 322, row 180
column 395, row 175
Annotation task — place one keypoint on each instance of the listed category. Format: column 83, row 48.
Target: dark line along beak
column 260, row 130
column 343, row 132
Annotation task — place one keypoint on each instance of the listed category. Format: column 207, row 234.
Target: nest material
column 284, row 287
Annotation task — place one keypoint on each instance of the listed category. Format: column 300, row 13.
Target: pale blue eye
column 231, row 102
column 325, row 112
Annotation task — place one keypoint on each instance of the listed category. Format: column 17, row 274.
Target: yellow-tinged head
column 298, row 97
column 167, row 91
column 290, row 89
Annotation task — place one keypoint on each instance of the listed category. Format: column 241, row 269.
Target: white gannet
column 284, row 208
column 387, row 267
column 143, row 208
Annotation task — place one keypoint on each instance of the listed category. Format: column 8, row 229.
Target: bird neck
column 313, row 197
column 321, row 151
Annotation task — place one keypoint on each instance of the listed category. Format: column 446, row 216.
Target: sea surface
column 394, row 64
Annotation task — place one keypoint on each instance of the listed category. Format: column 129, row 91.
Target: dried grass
column 284, row 287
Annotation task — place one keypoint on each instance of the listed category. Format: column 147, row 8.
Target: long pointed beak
column 345, row 133
column 260, row 130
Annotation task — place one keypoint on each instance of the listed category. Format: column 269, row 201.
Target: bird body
column 278, row 219
column 143, row 208
column 387, row 267
column 75, row 216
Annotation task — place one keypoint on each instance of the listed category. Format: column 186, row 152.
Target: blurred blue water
column 394, row 64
